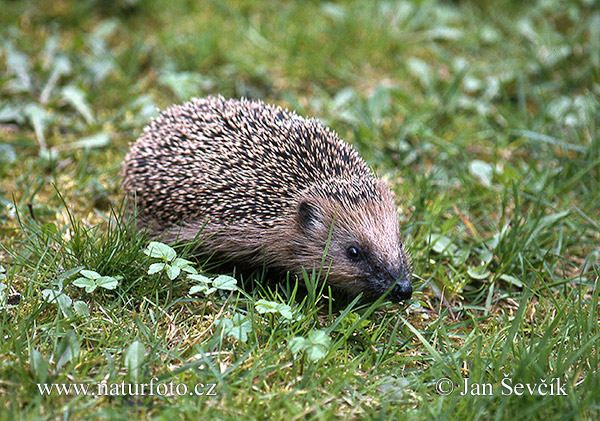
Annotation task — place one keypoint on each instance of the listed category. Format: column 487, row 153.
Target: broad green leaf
column 184, row 265
column 18, row 64
column 90, row 274
column 297, row 344
column 493, row 242
column 482, row 171
column 486, row 256
column 160, row 250
column 224, row 323
column 333, row 10
column 49, row 230
column 67, row 349
column 38, row 119
column 134, row 360
column 181, row 263
column 7, row 152
column 200, row 278
column 511, row 280
column 421, row 70
column 67, row 274
column 240, row 328
column 63, row 301
column 88, row 284
column 107, row 282
column 224, row 282
column 479, row 273
column 81, row 308
column 285, row 310
column 264, row 306
column 315, row 352
column 11, row 112
column 318, row 345
column 199, row 288
column 60, row 67
column 155, row 268
column 237, row 327
column 173, row 272
column 190, row 270
column 550, row 140
column 319, row 337
column 460, row 256
column 442, row 243
column 379, row 103
column 553, row 218
column 98, row 140
column 76, row 97
column 444, row 33
column 185, row 84
column 38, row 366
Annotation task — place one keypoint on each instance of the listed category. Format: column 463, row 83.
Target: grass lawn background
column 482, row 116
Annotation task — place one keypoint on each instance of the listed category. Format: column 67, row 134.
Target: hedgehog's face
column 365, row 251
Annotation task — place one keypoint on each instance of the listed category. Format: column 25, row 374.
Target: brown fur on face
column 368, row 224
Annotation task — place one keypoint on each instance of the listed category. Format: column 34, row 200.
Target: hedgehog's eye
column 353, row 253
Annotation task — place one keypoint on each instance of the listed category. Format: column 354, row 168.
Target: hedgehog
column 258, row 185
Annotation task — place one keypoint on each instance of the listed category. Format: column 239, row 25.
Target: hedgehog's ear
column 307, row 214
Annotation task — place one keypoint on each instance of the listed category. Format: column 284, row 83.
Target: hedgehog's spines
column 237, row 135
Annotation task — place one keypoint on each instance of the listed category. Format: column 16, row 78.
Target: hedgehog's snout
column 395, row 281
column 402, row 290
column 399, row 286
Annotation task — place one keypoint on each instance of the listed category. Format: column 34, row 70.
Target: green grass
column 483, row 118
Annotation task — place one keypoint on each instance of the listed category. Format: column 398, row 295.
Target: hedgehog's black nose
column 402, row 291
